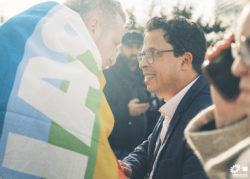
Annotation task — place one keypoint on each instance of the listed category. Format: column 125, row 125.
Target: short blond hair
column 107, row 8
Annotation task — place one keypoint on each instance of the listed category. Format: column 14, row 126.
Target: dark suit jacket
column 176, row 160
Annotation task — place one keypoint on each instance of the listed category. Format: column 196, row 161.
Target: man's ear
column 93, row 26
column 119, row 48
column 187, row 59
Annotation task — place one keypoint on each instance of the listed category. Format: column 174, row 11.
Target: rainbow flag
column 54, row 118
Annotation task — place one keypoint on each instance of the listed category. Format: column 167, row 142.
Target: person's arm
column 122, row 109
column 137, row 161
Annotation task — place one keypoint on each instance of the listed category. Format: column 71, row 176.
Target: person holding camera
column 127, row 96
column 220, row 135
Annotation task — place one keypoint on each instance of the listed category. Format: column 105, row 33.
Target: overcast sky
column 201, row 7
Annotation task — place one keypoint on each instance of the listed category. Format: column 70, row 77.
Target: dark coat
column 176, row 160
column 122, row 85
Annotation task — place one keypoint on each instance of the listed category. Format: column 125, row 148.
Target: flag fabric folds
column 54, row 118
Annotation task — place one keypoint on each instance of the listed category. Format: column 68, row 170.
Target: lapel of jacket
column 152, row 143
column 184, row 104
column 154, row 136
column 182, row 107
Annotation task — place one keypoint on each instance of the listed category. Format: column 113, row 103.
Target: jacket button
column 130, row 123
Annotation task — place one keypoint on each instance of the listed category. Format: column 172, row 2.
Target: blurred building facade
column 229, row 10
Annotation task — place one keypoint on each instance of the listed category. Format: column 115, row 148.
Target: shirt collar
column 169, row 108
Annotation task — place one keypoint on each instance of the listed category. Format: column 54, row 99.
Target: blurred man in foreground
column 55, row 120
column 220, row 135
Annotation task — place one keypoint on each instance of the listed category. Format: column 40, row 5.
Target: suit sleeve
column 138, row 160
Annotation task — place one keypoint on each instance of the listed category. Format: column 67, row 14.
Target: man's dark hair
column 184, row 35
column 132, row 37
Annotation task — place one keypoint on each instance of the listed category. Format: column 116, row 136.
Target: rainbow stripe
column 54, row 117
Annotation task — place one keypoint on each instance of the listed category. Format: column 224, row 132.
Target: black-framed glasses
column 242, row 49
column 150, row 55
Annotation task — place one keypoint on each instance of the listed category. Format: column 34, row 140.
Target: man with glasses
column 171, row 59
column 220, row 135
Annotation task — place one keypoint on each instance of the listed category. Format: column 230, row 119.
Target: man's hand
column 226, row 112
column 136, row 109
column 126, row 168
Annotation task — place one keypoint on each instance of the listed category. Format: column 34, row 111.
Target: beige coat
column 224, row 152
